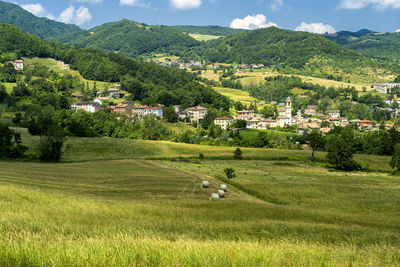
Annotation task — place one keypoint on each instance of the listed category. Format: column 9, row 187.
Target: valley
column 132, row 144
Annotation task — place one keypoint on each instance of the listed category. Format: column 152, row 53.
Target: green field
column 238, row 95
column 252, row 133
column 55, row 66
column 126, row 203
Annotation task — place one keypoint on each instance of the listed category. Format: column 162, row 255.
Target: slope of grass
column 203, row 37
column 141, row 212
column 55, row 66
column 95, row 149
column 238, row 95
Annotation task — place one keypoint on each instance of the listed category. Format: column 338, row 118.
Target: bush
column 230, row 173
column 395, row 161
column 201, row 156
column 340, row 154
column 51, row 145
column 10, row 143
column 238, row 154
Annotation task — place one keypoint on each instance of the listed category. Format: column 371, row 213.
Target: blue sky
column 308, row 15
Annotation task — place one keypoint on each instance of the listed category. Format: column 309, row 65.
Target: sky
column 318, row 16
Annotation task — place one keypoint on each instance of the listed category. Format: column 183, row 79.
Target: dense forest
column 131, row 39
column 142, row 80
column 208, row 30
column 273, row 46
column 42, row 27
column 385, row 46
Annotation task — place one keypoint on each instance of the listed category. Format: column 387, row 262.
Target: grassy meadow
column 53, row 64
column 126, row 203
column 204, row 37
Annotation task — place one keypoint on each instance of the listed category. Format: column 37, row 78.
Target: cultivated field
column 126, row 203
column 203, row 37
column 238, row 95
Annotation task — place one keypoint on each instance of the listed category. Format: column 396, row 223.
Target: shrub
column 230, row 173
column 10, row 143
column 201, row 156
column 51, row 145
column 238, row 154
column 395, row 162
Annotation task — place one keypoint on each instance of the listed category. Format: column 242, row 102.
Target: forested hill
column 142, row 80
column 131, row 39
column 273, row 46
column 42, row 27
column 208, row 30
column 384, row 46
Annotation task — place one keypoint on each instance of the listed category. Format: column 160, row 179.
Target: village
column 304, row 121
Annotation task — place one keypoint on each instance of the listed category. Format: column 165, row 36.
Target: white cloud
column 78, row 16
column 398, row 30
column 252, row 22
column 38, row 10
column 185, row 4
column 276, row 4
column 90, row 1
column 377, row 4
column 315, row 28
column 128, row 2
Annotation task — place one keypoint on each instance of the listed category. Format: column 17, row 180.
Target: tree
column 230, row 173
column 317, row 141
column 51, row 144
column 238, row 154
column 340, row 154
column 169, row 114
column 240, row 124
column 395, row 162
column 397, row 80
column 152, row 128
column 10, row 143
column 3, row 93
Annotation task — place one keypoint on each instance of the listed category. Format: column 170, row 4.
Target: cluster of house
column 384, row 88
column 249, row 66
column 110, row 93
column 180, row 63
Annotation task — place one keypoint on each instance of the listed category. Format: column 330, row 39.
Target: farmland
column 125, row 202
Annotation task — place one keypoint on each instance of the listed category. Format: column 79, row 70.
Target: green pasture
column 119, row 202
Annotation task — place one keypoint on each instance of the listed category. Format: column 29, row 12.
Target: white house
column 18, row 64
column 224, row 122
column 384, row 88
column 334, row 113
column 142, row 111
column 87, row 106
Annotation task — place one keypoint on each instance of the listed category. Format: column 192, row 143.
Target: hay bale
column 221, row 193
column 214, row 197
column 205, row 184
column 223, row 187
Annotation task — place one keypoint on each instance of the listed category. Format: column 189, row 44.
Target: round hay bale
column 205, row 184
column 214, row 197
column 223, row 187
column 221, row 193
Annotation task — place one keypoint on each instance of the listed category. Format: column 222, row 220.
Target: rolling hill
column 208, row 30
column 42, row 27
column 385, row 46
column 142, row 80
column 131, row 39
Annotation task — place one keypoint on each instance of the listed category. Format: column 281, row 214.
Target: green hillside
column 131, row 39
column 140, row 79
column 273, row 46
column 378, row 45
column 42, row 27
column 208, row 30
